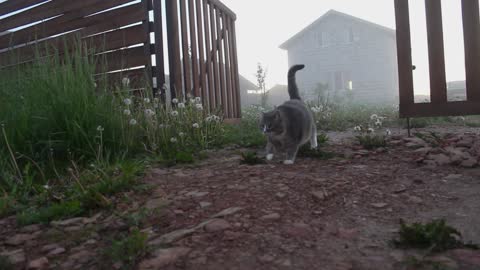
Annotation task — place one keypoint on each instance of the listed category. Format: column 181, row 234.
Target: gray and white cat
column 289, row 125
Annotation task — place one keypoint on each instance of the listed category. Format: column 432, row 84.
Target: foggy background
column 263, row 25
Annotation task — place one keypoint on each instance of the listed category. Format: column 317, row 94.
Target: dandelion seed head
column 100, row 128
column 373, row 117
column 181, row 105
column 175, row 101
column 125, row 81
column 199, row 107
column 174, row 113
column 181, row 134
column 173, row 140
column 127, row 112
column 196, row 125
column 127, row 101
column 133, row 122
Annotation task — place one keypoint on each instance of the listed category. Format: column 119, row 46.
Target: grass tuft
column 436, row 236
column 251, row 158
column 128, row 251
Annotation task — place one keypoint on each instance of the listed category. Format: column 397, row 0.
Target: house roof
column 245, row 84
column 279, row 88
column 330, row 13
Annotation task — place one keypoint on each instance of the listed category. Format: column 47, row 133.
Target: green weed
column 251, row 158
column 50, row 213
column 5, row 263
column 128, row 251
column 436, row 236
column 372, row 141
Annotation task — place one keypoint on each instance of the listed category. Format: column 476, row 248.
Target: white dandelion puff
column 199, row 107
column 175, row 101
column 357, row 128
column 133, row 122
column 371, row 130
column 127, row 112
column 181, row 134
column 181, row 105
column 388, row 132
column 373, row 117
column 198, row 99
column 146, row 100
column 196, row 125
column 173, row 140
column 100, row 128
column 149, row 112
column 127, row 101
column 174, row 113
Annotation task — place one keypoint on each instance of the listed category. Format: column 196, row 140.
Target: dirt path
column 317, row 214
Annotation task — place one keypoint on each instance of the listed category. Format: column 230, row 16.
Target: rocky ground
column 318, row 214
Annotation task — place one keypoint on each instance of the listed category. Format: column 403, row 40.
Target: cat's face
column 271, row 122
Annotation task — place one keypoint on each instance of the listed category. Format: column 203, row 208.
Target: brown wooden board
column 221, row 63
column 194, row 48
column 96, row 23
column 201, row 48
column 174, row 48
column 237, row 78
column 208, row 61
column 159, row 50
column 404, row 52
column 14, row 5
column 436, row 52
column 471, row 30
column 187, row 71
column 123, row 59
column 214, row 55
column 453, row 108
column 228, row 84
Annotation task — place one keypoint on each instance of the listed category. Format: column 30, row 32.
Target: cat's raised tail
column 292, row 83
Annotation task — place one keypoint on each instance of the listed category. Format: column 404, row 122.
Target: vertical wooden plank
column 436, row 52
column 147, row 6
column 159, row 51
column 471, row 32
column 174, row 48
column 232, row 68
column 235, row 65
column 193, row 45
column 201, row 49
column 221, row 64
column 187, row 71
column 215, row 55
column 208, row 60
column 404, row 53
column 228, row 83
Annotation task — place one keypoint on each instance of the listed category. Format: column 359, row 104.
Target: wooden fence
column 439, row 105
column 193, row 41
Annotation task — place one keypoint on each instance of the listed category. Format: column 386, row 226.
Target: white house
column 348, row 54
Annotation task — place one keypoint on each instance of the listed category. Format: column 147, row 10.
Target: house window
column 343, row 80
column 350, row 85
column 321, row 39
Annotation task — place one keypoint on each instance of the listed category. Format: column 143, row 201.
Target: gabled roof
column 330, row 13
column 245, row 84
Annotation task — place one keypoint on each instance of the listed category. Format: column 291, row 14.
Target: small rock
column 298, row 230
column 266, row 258
column 423, row 151
column 164, row 257
column 440, row 159
column 205, row 204
column 398, row 255
column 453, row 177
column 319, row 195
column 19, row 239
column 468, row 256
column 67, row 222
column 469, row 163
column 56, row 252
column 196, row 194
column 415, row 199
column 217, row 225
column 82, row 256
column 465, row 143
column 379, row 205
column 444, row 261
column 227, row 212
column 92, row 219
column 15, row 256
column 155, row 204
column 280, row 195
column 271, row 217
column 41, row 263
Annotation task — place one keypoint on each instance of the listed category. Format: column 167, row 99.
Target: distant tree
column 261, row 76
column 322, row 94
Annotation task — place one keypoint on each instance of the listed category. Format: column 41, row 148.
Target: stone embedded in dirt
column 280, row 195
column 164, row 257
column 217, row 225
column 19, row 239
column 50, row 247
column 466, row 142
column 31, row 228
column 83, row 256
column 205, row 204
column 298, row 230
column 453, row 177
column 266, row 258
column 398, row 255
column 440, row 159
column 379, row 205
column 444, row 261
column 15, row 256
column 171, row 237
column 196, row 194
column 423, row 151
column 415, row 199
column 67, row 222
column 155, row 204
column 56, row 252
column 469, row 163
column 271, row 217
column 399, row 189
column 92, row 219
column 38, row 264
column 467, row 256
column 228, row 212
column 319, row 195
column 231, row 236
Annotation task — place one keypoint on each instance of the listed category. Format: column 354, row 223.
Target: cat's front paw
column 269, row 157
column 288, row 162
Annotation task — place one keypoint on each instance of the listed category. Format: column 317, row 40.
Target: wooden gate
column 439, row 106
column 201, row 53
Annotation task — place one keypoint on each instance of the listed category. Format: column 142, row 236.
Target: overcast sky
column 262, row 25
